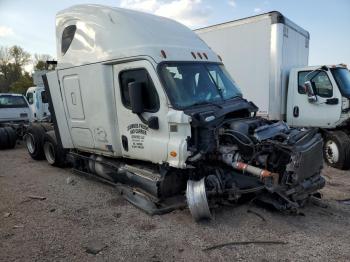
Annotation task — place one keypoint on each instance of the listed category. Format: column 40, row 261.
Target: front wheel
column 336, row 150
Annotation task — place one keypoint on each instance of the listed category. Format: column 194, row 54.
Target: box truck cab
column 326, row 103
column 37, row 98
column 268, row 57
column 141, row 101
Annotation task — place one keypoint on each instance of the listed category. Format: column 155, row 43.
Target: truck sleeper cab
column 156, row 113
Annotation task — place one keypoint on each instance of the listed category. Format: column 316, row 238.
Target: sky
column 31, row 23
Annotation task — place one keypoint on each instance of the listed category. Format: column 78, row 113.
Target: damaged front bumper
column 287, row 191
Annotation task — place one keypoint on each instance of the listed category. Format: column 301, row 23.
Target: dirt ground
column 82, row 215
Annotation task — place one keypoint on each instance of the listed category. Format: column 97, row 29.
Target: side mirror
column 136, row 101
column 310, row 92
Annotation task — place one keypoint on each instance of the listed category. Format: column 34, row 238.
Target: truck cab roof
column 88, row 34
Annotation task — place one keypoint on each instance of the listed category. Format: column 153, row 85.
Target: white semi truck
column 142, row 102
column 268, row 57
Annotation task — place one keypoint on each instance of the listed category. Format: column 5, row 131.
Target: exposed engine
column 270, row 161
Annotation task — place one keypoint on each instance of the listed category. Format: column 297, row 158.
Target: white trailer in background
column 268, row 57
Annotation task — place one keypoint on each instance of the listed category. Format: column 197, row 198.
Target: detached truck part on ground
column 268, row 56
column 142, row 102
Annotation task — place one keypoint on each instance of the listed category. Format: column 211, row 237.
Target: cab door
column 324, row 112
column 138, row 140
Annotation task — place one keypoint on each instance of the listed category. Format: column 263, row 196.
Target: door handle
column 296, row 111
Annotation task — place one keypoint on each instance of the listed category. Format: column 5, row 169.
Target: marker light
column 173, row 153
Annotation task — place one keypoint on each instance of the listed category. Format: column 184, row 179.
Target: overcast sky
column 31, row 23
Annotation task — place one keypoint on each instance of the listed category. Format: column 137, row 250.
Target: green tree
column 22, row 84
column 12, row 62
column 20, row 57
column 40, row 62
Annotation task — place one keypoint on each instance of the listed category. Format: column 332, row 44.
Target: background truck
column 142, row 102
column 36, row 97
column 268, row 57
column 14, row 115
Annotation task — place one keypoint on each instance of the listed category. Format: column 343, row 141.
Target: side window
column 320, row 82
column 301, row 81
column 150, row 96
column 30, row 98
column 323, row 85
column 44, row 97
column 67, row 38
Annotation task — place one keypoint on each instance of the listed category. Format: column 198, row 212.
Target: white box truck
column 36, row 97
column 268, row 57
column 142, row 102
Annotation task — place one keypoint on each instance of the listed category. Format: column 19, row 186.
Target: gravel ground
column 76, row 218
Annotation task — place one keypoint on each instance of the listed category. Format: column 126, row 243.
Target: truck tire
column 54, row 153
column 34, row 139
column 336, row 150
column 46, row 126
column 11, row 136
column 4, row 143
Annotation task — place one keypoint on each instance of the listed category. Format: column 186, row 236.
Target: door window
column 67, row 38
column 30, row 98
column 150, row 96
column 44, row 98
column 320, row 82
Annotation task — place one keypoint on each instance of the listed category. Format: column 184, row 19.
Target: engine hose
column 251, row 146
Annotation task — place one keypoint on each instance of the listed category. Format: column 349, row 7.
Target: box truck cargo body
column 259, row 52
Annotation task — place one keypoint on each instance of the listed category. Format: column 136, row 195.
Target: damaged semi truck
column 142, row 102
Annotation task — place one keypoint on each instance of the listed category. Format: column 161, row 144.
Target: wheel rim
column 49, row 152
column 197, row 199
column 332, row 152
column 30, row 143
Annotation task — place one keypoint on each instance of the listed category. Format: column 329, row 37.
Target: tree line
column 13, row 76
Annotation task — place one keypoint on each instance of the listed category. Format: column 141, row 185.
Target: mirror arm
column 143, row 120
column 152, row 122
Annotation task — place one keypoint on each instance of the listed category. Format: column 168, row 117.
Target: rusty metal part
column 256, row 171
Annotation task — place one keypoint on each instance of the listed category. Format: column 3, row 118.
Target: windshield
column 9, row 101
column 191, row 84
column 342, row 77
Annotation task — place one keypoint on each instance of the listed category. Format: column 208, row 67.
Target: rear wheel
column 4, row 139
column 11, row 136
column 34, row 139
column 54, row 153
column 336, row 150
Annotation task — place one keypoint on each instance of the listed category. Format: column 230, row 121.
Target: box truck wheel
column 11, row 137
column 336, row 150
column 54, row 154
column 4, row 140
column 34, row 138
